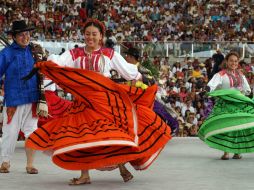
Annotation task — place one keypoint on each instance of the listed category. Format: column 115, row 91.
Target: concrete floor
column 185, row 163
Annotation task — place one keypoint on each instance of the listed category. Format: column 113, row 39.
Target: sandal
column 80, row 181
column 127, row 176
column 225, row 157
column 31, row 170
column 5, row 167
column 237, row 156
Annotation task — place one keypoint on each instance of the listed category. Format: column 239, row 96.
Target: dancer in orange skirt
column 109, row 123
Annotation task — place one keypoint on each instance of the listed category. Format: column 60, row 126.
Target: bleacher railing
column 192, row 49
column 168, row 49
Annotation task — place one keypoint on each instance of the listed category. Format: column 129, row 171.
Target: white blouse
column 221, row 80
column 97, row 62
column 126, row 70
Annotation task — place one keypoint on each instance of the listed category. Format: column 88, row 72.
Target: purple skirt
column 208, row 107
column 163, row 113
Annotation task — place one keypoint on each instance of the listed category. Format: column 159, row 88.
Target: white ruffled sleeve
column 246, row 86
column 106, row 62
column 215, row 82
column 126, row 70
column 64, row 60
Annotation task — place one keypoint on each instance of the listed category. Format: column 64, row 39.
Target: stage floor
column 185, row 163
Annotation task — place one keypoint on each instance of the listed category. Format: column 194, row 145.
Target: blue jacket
column 15, row 63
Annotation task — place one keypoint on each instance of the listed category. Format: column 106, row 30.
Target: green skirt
column 230, row 126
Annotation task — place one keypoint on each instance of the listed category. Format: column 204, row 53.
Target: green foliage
column 150, row 66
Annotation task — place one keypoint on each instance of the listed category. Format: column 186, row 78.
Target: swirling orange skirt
column 108, row 123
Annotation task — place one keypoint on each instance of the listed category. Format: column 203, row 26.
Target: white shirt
column 222, row 81
column 118, row 63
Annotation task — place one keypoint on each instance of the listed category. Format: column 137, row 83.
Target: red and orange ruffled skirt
column 107, row 124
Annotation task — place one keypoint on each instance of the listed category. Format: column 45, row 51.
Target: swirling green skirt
column 230, row 126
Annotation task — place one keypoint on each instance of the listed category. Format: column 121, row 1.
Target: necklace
column 236, row 78
column 90, row 62
column 89, row 59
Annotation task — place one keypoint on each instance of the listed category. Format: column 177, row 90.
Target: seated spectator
column 176, row 67
column 187, row 106
column 193, row 131
column 183, row 93
column 191, row 119
column 196, row 73
column 181, row 127
column 203, row 69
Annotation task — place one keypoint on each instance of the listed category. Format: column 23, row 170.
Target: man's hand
column 10, row 113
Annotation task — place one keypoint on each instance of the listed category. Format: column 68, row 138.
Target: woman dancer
column 229, row 127
column 101, row 128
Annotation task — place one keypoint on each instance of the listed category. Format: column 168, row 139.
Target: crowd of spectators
column 182, row 83
column 136, row 20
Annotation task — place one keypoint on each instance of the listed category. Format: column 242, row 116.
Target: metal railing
column 193, row 48
column 172, row 49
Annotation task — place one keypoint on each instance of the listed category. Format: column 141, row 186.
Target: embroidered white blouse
column 222, row 80
column 102, row 60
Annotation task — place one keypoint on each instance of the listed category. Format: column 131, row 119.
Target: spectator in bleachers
column 187, row 105
column 89, row 7
column 218, row 58
column 170, row 18
column 203, row 69
column 183, row 93
column 176, row 67
column 181, row 124
column 196, row 72
column 188, row 63
column 252, row 64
